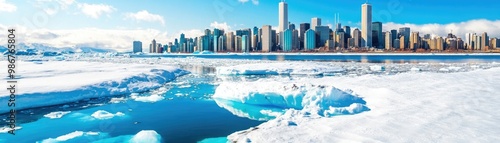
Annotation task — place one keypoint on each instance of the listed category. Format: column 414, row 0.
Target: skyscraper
column 287, row 40
column 266, row 38
column 356, row 35
column 230, row 41
column 283, row 17
column 310, row 39
column 366, row 25
column 152, row 46
column 315, row 22
column 404, row 31
column 388, row 40
column 137, row 47
column 295, row 39
column 244, row 44
column 377, row 27
column 485, row 41
column 324, row 34
column 303, row 28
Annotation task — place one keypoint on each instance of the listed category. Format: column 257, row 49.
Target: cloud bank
column 459, row 29
column 7, row 7
column 144, row 15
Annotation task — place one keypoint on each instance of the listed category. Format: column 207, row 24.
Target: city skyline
column 156, row 24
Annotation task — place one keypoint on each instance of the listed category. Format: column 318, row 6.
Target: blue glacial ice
column 263, row 100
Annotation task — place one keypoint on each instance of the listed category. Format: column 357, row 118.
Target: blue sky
column 171, row 17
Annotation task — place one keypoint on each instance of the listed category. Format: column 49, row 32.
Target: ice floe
column 58, row 114
column 103, row 115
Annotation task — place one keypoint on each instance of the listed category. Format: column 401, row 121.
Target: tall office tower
column 238, row 43
column 152, row 46
column 356, row 35
column 401, row 42
column 159, row 48
column 427, row 36
column 414, row 41
column 137, row 47
column 396, row 44
column 374, row 39
column 315, row 22
column 324, row 34
column 274, row 40
column 244, row 44
column 388, row 40
column 283, row 17
column 485, row 41
column 310, row 40
column 460, row 43
column 394, row 36
column 303, row 28
column 477, row 42
column 216, row 43
column 339, row 40
column 366, row 25
column 377, row 27
column 295, row 39
column 291, row 26
column 221, row 43
column 255, row 38
column 287, row 40
column 254, row 43
column 495, row 43
column 451, row 44
column 182, row 40
column 405, row 31
column 468, row 40
column 350, row 42
column 230, row 41
column 347, row 31
column 266, row 38
column 440, row 43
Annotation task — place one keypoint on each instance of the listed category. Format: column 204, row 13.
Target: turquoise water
column 187, row 114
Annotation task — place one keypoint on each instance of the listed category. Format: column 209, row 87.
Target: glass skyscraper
column 310, row 39
column 287, row 40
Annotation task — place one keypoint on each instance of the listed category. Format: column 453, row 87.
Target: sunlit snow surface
column 302, row 101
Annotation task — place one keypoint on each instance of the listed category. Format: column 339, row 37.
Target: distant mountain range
column 36, row 48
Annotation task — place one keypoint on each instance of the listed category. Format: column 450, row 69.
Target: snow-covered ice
column 323, row 100
column 58, row 82
column 408, row 107
column 146, row 136
column 286, row 68
column 58, row 114
column 69, row 136
column 103, row 115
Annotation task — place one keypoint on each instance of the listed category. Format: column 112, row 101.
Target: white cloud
column 51, row 7
column 218, row 25
column 95, row 10
column 459, row 29
column 255, row 2
column 7, row 7
column 144, row 15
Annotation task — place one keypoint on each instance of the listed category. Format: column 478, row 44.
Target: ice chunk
column 7, row 129
column 307, row 97
column 146, row 136
column 151, row 98
column 293, row 68
column 58, row 114
column 414, row 69
column 103, row 115
column 70, row 136
column 377, row 68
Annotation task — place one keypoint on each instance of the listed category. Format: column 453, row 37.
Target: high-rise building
column 396, row 43
column 310, row 40
column 401, row 42
column 404, row 31
column 440, row 43
column 152, row 46
column 182, row 40
column 245, row 44
column 221, row 46
column 339, row 40
column 394, row 36
column 377, row 27
column 291, row 26
column 315, row 22
column 356, row 35
column 274, row 40
column 266, row 38
column 230, row 41
column 216, row 43
column 495, row 43
column 468, row 41
column 485, row 41
column 366, row 25
column 323, row 33
column 414, row 41
column 295, row 39
column 303, row 28
column 287, row 40
column 137, row 47
column 347, row 31
column 283, row 17
column 388, row 40
column 238, row 44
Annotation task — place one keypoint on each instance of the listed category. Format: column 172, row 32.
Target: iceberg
column 103, row 115
column 322, row 100
column 59, row 82
column 56, row 115
column 146, row 136
column 287, row 68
